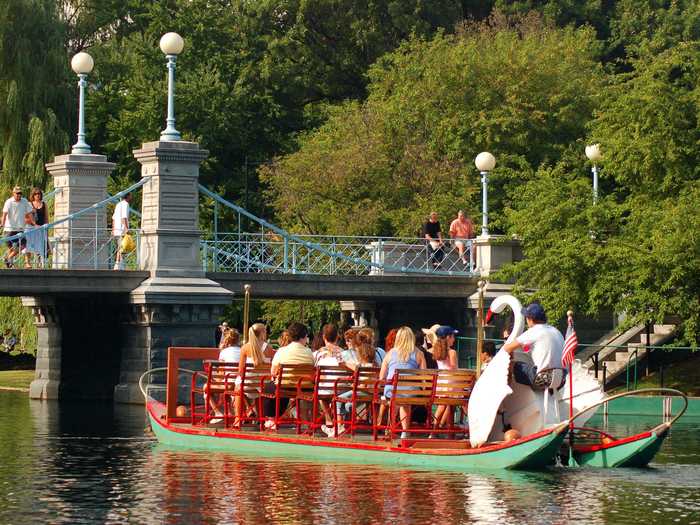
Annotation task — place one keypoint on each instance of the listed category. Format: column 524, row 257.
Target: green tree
column 35, row 94
column 524, row 91
column 637, row 250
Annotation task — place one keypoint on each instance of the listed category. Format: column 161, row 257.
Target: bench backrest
column 251, row 377
column 326, row 377
column 454, row 384
column 413, row 387
column 289, row 376
column 221, row 376
column 365, row 381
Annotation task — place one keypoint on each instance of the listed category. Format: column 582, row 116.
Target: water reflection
column 84, row 463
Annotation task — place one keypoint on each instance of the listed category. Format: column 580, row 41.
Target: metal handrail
column 314, row 247
column 634, row 355
column 79, row 213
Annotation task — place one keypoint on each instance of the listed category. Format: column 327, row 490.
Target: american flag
column 570, row 345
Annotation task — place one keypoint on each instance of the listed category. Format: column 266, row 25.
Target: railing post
column 286, row 255
column 294, row 258
column 595, row 363
column 605, row 374
column 95, row 247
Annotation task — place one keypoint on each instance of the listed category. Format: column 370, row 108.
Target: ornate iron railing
column 270, row 252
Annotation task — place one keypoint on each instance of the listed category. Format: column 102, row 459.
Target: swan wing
column 486, row 398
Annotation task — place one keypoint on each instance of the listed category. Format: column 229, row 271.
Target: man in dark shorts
column 433, row 235
column 16, row 214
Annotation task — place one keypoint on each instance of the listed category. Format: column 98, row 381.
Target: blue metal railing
column 79, row 240
column 276, row 250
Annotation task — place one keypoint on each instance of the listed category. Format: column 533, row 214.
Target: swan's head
column 499, row 304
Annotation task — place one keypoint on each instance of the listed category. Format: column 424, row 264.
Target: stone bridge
column 99, row 330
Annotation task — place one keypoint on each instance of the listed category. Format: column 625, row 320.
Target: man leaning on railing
column 433, row 234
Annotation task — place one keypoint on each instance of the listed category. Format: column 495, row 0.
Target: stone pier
column 177, row 305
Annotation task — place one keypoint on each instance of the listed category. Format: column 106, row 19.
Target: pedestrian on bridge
column 120, row 227
column 17, row 213
column 433, row 234
column 461, row 230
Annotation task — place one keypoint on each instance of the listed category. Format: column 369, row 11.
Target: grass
column 16, row 378
column 682, row 375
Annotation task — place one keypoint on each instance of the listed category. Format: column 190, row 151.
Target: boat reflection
column 219, row 487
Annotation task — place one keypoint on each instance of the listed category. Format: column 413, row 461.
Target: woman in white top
column 446, row 359
column 330, row 355
column 230, row 351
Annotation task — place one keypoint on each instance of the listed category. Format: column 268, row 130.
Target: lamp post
column 82, row 64
column 594, row 155
column 485, row 162
column 171, row 44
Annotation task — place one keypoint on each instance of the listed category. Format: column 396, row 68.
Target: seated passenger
column 368, row 335
column 329, row 355
column 366, row 357
column 404, row 355
column 295, row 353
column 349, row 354
column 487, row 353
column 446, row 359
column 250, row 354
column 230, row 351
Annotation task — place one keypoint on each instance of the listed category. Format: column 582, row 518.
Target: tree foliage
column 525, row 91
column 34, row 94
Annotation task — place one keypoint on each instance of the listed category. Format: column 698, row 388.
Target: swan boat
column 534, row 451
column 527, row 411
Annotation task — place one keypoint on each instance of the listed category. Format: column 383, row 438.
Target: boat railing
column 669, row 419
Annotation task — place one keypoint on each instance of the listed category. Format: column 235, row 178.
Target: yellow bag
column 128, row 244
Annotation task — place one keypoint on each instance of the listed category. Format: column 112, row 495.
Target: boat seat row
column 311, row 389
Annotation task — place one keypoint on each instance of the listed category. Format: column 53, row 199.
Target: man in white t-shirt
column 545, row 343
column 16, row 214
column 120, row 227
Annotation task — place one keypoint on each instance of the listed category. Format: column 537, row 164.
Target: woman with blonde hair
column 251, row 353
column 404, row 355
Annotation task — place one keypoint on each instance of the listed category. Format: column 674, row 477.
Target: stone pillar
column 495, row 251
column 170, row 231
column 81, row 181
column 362, row 313
column 47, row 379
column 177, row 305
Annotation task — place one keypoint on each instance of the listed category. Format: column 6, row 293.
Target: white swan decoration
column 492, row 387
column 524, row 409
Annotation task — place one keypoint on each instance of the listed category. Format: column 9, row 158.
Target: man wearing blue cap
column 546, row 345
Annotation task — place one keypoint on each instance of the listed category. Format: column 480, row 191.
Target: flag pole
column 246, row 312
column 480, row 327
column 572, row 461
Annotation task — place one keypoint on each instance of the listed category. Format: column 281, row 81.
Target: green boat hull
column 629, row 453
column 530, row 453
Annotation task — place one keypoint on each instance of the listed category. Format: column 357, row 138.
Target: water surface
column 93, row 463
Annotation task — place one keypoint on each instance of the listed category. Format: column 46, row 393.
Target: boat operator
column 546, row 345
